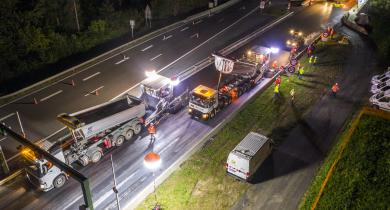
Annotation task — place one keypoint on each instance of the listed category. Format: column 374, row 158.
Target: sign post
column 148, row 16
column 132, row 24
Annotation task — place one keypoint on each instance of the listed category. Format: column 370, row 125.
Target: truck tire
column 96, row 156
column 137, row 128
column 59, row 181
column 129, row 134
column 120, row 139
column 84, row 160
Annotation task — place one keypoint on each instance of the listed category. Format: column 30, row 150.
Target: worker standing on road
column 292, row 94
column 276, row 92
column 300, row 72
column 335, row 89
column 278, row 80
column 152, row 131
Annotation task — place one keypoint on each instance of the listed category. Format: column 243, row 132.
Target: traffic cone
column 35, row 101
column 73, row 84
column 96, row 92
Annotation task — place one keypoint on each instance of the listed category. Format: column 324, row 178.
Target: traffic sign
column 293, row 62
column 262, row 4
column 291, row 69
column 132, row 23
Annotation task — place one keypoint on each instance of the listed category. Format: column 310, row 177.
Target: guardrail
column 85, row 65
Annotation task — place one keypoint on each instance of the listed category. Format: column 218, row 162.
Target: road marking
column 49, row 96
column 108, row 193
column 148, row 47
column 8, row 116
column 155, row 57
column 94, row 91
column 89, row 77
column 3, row 139
column 167, row 37
column 199, row 21
column 183, row 29
column 195, row 35
column 167, row 146
column 127, row 179
column 187, row 53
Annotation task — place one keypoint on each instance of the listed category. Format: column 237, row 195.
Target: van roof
column 251, row 144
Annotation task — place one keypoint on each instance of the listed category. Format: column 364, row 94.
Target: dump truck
column 243, row 75
column 97, row 129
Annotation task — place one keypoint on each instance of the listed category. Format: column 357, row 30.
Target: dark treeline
column 35, row 33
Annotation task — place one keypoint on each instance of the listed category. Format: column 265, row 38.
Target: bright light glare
column 151, row 74
column 152, row 161
column 274, row 50
column 292, row 31
column 300, row 34
column 249, row 53
column 175, row 81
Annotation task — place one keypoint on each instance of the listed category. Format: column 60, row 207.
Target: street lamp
column 153, row 161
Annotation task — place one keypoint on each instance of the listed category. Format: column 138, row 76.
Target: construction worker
column 152, row 131
column 276, row 92
column 300, row 72
column 311, row 59
column 315, row 60
column 278, row 80
column 292, row 94
column 335, row 89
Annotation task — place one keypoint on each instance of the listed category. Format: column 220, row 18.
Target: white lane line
column 195, row 35
column 185, row 28
column 167, row 146
column 127, row 179
column 89, row 77
column 3, row 139
column 94, row 91
column 199, row 21
column 148, row 47
column 192, row 50
column 110, row 192
column 167, row 37
column 8, row 116
column 121, row 61
column 155, row 57
column 51, row 95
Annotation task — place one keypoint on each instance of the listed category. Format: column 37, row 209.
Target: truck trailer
column 97, row 129
column 205, row 102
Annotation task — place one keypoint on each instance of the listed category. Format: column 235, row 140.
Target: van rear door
column 237, row 165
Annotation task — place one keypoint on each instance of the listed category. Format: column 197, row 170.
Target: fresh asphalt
column 175, row 136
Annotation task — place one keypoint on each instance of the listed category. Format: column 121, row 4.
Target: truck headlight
column 42, row 186
column 189, row 110
column 205, row 116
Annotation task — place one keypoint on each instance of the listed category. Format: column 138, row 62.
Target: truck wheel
column 119, row 141
column 129, row 134
column 137, row 129
column 59, row 181
column 84, row 160
column 96, row 156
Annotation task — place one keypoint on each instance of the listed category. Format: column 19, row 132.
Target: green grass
column 361, row 179
column 201, row 181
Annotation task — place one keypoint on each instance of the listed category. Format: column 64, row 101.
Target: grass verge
column 201, row 182
column 361, row 177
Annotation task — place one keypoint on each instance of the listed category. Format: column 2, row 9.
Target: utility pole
column 77, row 17
column 114, row 188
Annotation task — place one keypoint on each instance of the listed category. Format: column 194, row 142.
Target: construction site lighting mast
column 84, row 181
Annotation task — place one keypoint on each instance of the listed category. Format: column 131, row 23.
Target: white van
column 248, row 155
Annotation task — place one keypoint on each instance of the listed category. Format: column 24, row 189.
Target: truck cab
column 203, row 102
column 42, row 173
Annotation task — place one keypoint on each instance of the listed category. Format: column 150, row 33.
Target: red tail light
column 248, row 174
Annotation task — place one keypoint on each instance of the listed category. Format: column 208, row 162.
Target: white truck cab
column 244, row 160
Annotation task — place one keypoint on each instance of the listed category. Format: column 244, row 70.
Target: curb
column 10, row 177
column 90, row 63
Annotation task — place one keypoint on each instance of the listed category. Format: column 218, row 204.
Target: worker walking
column 300, row 72
column 292, row 94
column 276, row 92
column 152, row 132
column 335, row 89
column 278, row 80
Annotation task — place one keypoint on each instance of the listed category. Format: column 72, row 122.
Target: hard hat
column 151, row 124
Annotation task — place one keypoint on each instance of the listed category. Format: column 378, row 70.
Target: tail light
column 248, row 174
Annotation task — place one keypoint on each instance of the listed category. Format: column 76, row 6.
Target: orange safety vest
column 335, row 88
column 152, row 129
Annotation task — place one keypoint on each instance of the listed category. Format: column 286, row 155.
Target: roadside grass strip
column 355, row 175
column 201, row 181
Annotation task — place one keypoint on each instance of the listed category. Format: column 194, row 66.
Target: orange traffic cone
column 96, row 92
column 73, row 83
column 35, row 101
